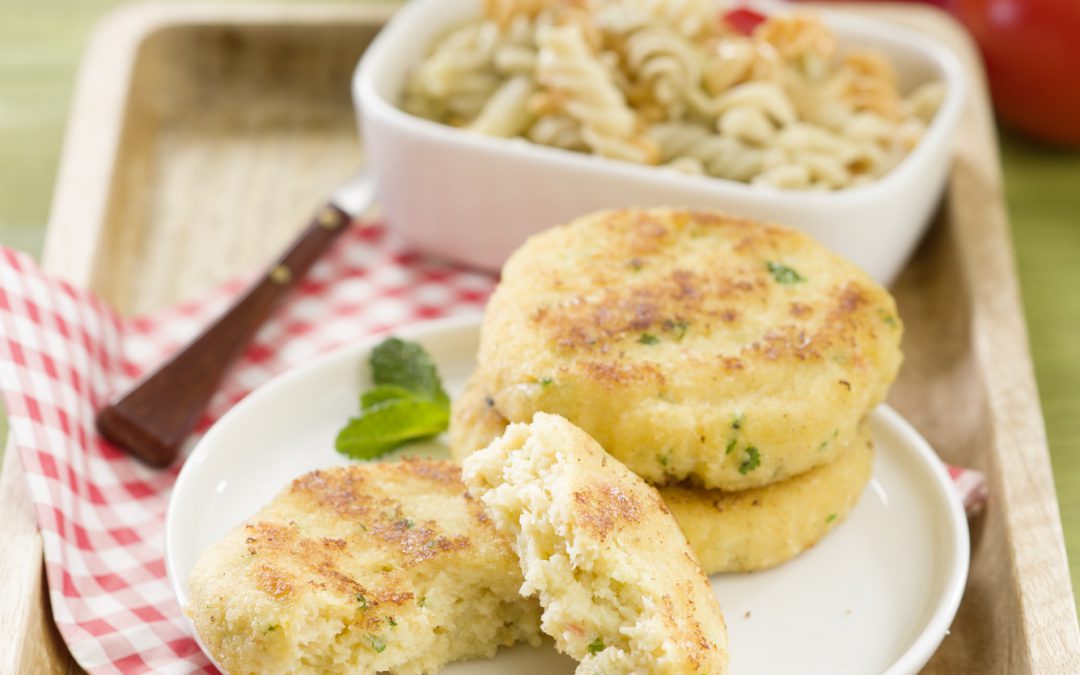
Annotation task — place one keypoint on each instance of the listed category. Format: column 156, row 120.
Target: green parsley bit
column 887, row 317
column 362, row 600
column 648, row 339
column 272, row 628
column 832, row 517
column 596, row 646
column 546, row 382
column 663, row 459
column 731, row 446
column 678, row 328
column 752, row 461
column 737, row 422
column 390, row 620
column 783, row 274
column 377, row 644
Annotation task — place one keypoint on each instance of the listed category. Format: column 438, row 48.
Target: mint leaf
column 390, row 424
column 383, row 393
column 408, row 366
column 407, row 403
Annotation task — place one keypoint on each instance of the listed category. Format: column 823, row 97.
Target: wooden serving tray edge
column 1044, row 636
column 74, row 248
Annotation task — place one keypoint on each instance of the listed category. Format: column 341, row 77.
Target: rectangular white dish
column 474, row 198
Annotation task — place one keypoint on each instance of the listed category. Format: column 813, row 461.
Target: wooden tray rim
column 74, row 247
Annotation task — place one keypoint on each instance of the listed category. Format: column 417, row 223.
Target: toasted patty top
column 691, row 344
column 371, row 567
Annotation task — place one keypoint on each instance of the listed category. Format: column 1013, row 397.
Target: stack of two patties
column 730, row 363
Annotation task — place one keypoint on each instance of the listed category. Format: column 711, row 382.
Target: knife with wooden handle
column 152, row 419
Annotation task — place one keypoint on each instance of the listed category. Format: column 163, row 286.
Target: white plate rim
column 958, row 557
column 955, row 559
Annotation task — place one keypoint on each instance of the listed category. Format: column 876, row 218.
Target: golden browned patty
column 741, row 531
column 692, row 345
column 619, row 585
column 755, row 529
column 380, row 567
column 474, row 421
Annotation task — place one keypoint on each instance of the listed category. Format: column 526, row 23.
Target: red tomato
column 1032, row 54
column 743, row 19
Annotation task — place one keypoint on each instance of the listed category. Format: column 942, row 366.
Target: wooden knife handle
column 153, row 418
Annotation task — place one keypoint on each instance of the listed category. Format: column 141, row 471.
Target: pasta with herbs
column 670, row 83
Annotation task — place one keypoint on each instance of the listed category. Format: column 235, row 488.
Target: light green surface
column 41, row 40
column 1042, row 190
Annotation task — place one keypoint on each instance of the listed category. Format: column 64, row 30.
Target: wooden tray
column 201, row 137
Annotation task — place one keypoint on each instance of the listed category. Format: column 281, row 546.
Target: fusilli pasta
column 668, row 82
column 579, row 86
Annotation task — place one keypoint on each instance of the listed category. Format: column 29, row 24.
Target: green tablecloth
column 41, row 41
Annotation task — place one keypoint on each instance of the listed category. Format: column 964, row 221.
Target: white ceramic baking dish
column 473, row 199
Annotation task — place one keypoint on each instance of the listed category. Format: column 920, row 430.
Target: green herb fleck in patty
column 752, row 461
column 783, row 274
column 377, row 643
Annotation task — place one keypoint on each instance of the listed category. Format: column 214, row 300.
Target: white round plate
column 875, row 596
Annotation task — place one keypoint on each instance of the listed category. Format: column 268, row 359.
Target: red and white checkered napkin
column 63, row 351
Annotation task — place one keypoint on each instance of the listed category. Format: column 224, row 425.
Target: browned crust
column 604, row 507
column 286, row 559
column 664, row 313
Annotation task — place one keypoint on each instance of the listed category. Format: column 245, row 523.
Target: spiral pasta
column 696, row 18
column 455, row 81
column 580, row 86
column 506, row 113
column 694, row 148
column 670, row 83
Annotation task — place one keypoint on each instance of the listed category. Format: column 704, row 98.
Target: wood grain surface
column 152, row 419
column 968, row 385
column 200, row 139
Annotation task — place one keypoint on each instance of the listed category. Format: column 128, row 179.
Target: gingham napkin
column 63, row 351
